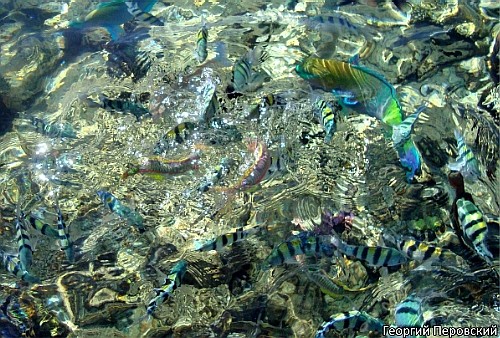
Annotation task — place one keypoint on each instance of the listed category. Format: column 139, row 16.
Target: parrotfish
column 111, row 15
column 113, row 204
column 258, row 170
column 374, row 256
column 359, row 88
column 465, row 163
column 305, row 243
column 222, row 241
column 172, row 282
column 13, row 265
column 401, row 132
column 157, row 166
column 410, row 158
column 63, row 236
column 474, row 227
column 355, row 320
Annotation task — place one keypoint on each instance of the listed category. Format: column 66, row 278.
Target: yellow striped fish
column 474, row 227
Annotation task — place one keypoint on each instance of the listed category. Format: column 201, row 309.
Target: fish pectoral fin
column 457, row 165
column 349, row 101
column 115, row 31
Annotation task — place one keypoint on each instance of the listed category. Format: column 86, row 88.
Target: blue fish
column 111, row 15
column 115, row 206
column 410, row 158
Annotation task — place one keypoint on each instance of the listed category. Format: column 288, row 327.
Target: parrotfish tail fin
column 354, row 60
column 458, row 134
column 27, row 277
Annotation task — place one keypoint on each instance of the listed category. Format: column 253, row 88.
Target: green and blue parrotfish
column 359, row 88
column 376, row 256
column 115, row 206
column 354, row 320
column 111, row 15
column 465, row 163
column 474, row 227
column 410, row 158
column 172, row 282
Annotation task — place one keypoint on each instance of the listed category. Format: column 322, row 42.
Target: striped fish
column 211, row 106
column 474, row 227
column 325, row 283
column 179, row 134
column 44, row 228
column 245, row 78
column 409, row 312
column 421, row 251
column 364, row 90
column 222, row 241
column 53, row 130
column 63, row 236
column 325, row 112
column 201, row 52
column 401, row 132
column 374, row 256
column 24, row 245
column 355, row 320
column 305, row 243
column 111, row 15
column 172, row 282
column 13, row 265
column 139, row 14
column 115, row 206
column 465, row 163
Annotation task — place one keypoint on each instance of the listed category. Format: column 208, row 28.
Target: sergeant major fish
column 115, row 206
column 305, row 243
column 172, row 282
column 24, row 245
column 215, row 174
column 179, row 134
column 325, row 112
column 201, row 52
column 63, row 236
column 220, row 242
column 474, row 227
column 401, row 132
column 374, row 256
column 13, row 265
column 465, row 163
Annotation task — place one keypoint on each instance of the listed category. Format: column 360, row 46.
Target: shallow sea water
column 439, row 53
